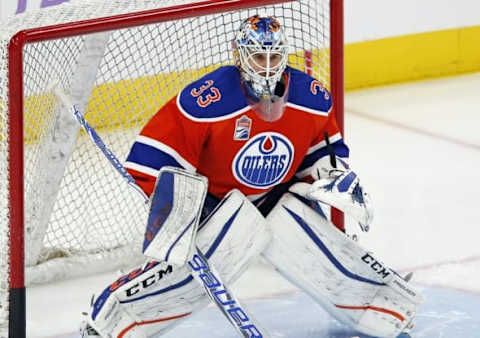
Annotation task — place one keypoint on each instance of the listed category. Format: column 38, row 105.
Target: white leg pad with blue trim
column 152, row 299
column 348, row 281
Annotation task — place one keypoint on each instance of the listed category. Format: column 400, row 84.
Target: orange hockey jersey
column 209, row 128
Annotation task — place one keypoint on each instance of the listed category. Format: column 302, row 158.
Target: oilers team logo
column 263, row 161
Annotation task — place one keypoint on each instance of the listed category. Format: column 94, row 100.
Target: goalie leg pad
column 349, row 282
column 154, row 298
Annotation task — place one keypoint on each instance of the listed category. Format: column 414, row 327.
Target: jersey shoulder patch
column 308, row 94
column 215, row 96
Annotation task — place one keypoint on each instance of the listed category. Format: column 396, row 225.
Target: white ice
column 416, row 148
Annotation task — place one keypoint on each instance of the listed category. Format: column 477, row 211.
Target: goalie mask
column 261, row 53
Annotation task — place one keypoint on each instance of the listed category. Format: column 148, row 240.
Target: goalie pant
column 346, row 280
column 154, row 298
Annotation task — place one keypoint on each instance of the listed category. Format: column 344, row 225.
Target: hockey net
column 64, row 211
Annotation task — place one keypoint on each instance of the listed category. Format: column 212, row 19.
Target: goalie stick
column 202, row 271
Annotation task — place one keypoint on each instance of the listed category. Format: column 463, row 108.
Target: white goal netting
column 80, row 216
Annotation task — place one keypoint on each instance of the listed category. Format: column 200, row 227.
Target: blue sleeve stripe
column 148, row 156
column 339, row 148
column 167, row 150
column 334, row 138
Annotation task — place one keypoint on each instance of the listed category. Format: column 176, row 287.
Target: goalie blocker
column 345, row 279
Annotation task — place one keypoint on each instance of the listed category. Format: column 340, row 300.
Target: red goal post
column 34, row 54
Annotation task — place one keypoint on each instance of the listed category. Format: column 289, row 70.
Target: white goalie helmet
column 261, row 54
